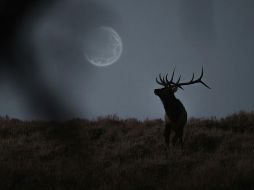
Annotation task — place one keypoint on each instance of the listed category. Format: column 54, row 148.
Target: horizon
column 118, row 118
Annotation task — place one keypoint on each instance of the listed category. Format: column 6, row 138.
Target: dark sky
column 44, row 74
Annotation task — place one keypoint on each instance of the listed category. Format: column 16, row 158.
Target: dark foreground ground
column 111, row 153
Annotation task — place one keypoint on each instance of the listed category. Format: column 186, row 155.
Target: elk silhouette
column 176, row 115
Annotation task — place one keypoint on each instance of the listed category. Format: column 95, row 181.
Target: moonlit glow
column 103, row 46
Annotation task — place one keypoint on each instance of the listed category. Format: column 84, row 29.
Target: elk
column 176, row 115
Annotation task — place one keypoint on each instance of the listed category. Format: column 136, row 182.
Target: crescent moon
column 106, row 47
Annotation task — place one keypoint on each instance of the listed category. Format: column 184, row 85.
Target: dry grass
column 111, row 153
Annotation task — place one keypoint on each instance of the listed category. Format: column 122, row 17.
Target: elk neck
column 170, row 105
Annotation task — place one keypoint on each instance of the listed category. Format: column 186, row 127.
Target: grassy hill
column 112, row 153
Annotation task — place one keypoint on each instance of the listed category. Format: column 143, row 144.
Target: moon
column 103, row 46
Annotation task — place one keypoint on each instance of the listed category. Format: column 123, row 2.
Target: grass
column 113, row 153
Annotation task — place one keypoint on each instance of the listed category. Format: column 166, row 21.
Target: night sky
column 44, row 74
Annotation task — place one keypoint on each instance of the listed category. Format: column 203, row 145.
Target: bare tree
column 176, row 115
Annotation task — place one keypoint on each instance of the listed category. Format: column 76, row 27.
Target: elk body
column 175, row 113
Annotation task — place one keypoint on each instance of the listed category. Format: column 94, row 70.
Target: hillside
column 112, row 153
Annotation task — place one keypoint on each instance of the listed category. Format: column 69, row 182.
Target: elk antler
column 162, row 81
column 165, row 82
column 192, row 81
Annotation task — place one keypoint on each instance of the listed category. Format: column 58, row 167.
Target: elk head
column 170, row 87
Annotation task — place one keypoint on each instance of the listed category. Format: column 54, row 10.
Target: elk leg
column 175, row 139
column 167, row 133
column 181, row 138
column 178, row 138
